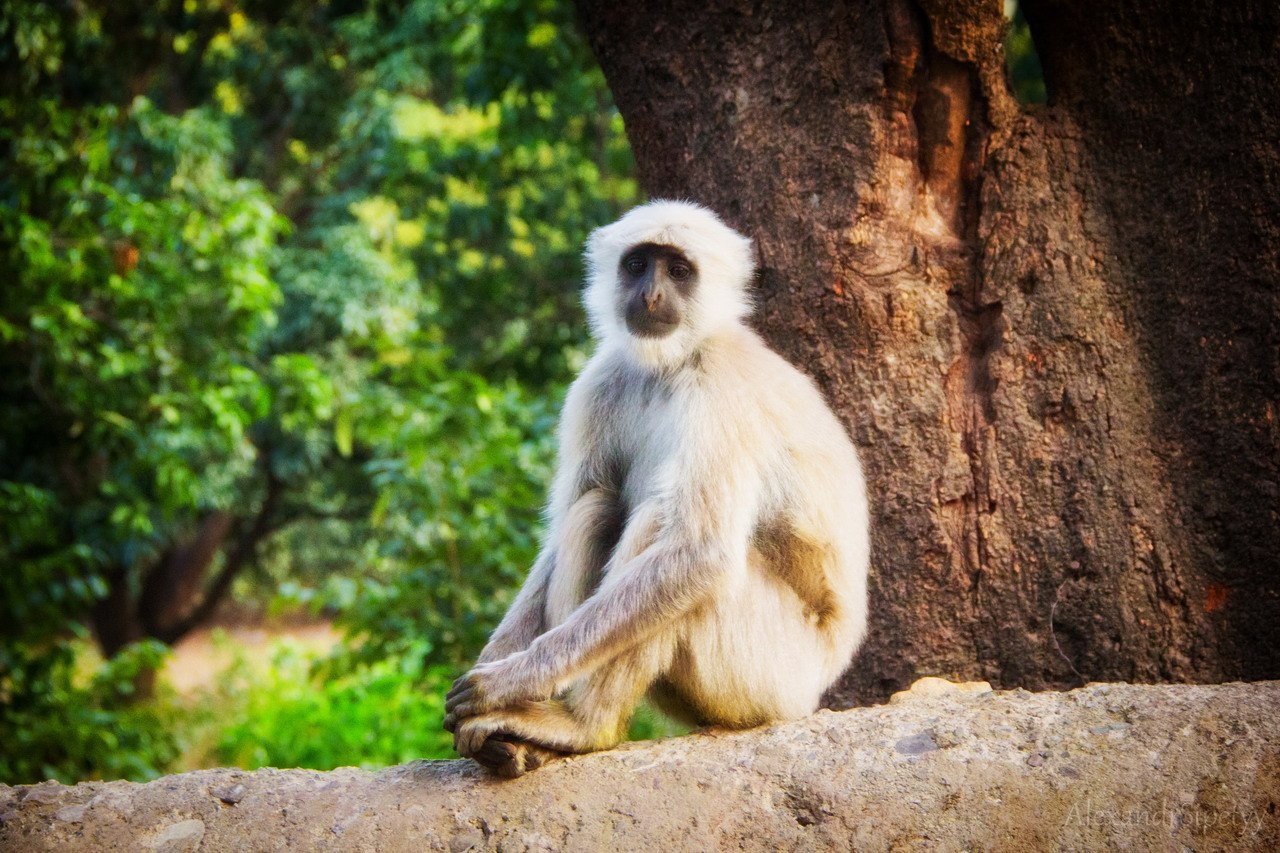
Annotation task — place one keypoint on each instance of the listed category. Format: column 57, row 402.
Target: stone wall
column 1107, row 766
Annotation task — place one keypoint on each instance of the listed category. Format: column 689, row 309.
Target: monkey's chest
column 639, row 421
column 644, row 454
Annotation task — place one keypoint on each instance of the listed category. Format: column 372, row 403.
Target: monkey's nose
column 652, row 298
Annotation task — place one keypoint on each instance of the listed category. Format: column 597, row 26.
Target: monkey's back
column 812, row 529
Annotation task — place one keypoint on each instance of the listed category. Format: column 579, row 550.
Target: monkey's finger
column 450, row 723
column 465, row 709
column 459, row 711
column 464, row 684
column 468, row 743
column 500, row 756
column 450, row 702
column 453, row 700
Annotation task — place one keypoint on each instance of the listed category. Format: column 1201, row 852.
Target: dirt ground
column 199, row 658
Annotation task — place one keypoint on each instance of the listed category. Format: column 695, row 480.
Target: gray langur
column 707, row 538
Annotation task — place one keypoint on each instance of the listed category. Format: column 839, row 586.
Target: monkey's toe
column 498, row 756
column 512, row 758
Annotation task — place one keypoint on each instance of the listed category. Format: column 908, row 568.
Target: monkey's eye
column 635, row 265
column 679, row 271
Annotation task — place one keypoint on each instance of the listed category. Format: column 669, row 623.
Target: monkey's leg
column 593, row 716
column 595, row 703
column 590, row 531
column 511, row 758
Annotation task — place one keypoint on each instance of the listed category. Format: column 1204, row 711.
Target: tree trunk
column 182, row 589
column 173, row 587
column 114, row 617
column 1053, row 333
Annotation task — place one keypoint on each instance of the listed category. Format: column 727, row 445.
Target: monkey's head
column 664, row 277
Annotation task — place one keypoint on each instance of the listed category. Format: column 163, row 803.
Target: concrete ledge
column 1110, row 765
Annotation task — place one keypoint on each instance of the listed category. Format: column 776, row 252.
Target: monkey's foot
column 511, row 758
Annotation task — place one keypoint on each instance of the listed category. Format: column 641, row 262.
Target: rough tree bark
column 1052, row 332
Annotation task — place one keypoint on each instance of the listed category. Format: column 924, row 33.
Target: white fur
column 723, row 441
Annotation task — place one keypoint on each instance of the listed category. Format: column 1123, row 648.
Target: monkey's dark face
column 656, row 282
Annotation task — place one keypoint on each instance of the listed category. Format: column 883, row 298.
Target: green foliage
column 137, row 304
column 311, row 267
column 649, row 723
column 1025, row 71
column 466, row 499
column 66, row 724
column 295, row 715
column 321, row 713
column 50, row 580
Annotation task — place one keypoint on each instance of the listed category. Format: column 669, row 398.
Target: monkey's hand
column 507, row 742
column 493, row 686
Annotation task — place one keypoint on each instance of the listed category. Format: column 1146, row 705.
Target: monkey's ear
column 599, row 238
column 600, row 243
column 595, row 240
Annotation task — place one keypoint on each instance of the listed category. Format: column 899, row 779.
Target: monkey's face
column 655, row 284
column 663, row 278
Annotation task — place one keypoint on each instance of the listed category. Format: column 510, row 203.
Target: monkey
column 707, row 536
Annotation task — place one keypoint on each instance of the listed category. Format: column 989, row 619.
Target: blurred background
column 289, row 304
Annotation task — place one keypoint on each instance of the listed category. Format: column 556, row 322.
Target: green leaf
column 342, row 431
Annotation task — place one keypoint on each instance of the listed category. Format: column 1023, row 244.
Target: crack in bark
column 945, row 101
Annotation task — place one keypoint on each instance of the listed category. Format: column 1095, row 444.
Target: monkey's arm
column 526, row 617
column 700, row 532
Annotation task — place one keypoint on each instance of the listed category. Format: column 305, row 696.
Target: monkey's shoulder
column 743, row 365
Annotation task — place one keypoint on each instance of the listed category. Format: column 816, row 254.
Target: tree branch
column 175, row 579
column 240, row 555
